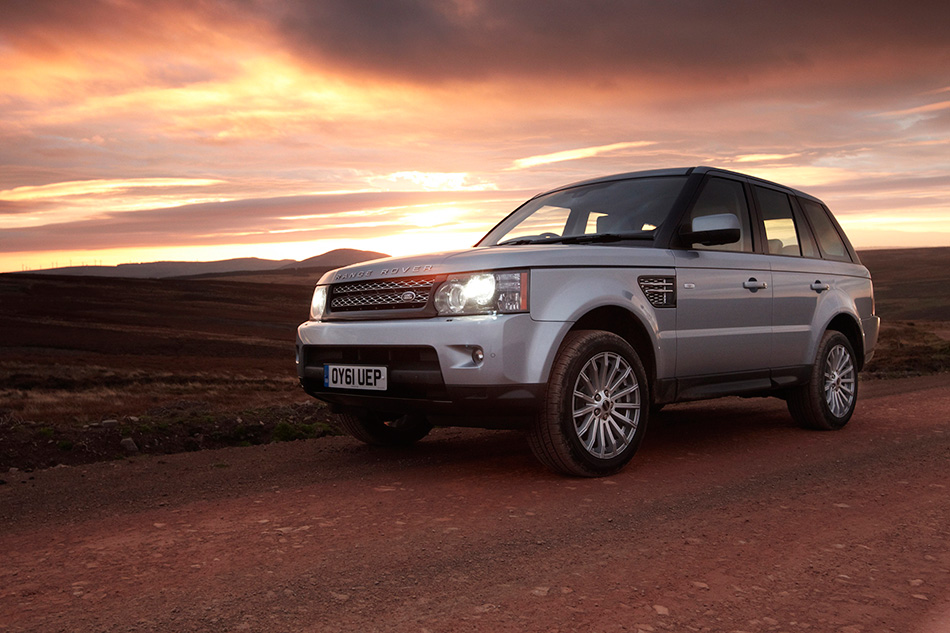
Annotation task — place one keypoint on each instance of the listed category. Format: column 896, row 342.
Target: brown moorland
column 185, row 364
column 172, row 364
column 912, row 293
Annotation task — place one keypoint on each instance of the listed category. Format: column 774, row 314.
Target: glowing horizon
column 228, row 130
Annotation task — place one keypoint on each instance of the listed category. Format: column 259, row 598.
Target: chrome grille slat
column 353, row 301
column 411, row 293
column 389, row 284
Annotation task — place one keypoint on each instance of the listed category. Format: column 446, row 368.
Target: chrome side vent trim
column 659, row 291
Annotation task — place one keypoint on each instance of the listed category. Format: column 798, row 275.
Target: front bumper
column 431, row 365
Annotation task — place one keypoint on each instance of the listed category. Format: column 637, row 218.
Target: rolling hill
column 163, row 270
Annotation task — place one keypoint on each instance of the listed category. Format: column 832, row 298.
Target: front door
column 723, row 313
column 724, row 299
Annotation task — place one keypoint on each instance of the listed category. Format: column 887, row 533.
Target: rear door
column 800, row 279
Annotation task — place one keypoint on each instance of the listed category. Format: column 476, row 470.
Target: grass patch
column 909, row 348
column 288, row 432
column 178, row 426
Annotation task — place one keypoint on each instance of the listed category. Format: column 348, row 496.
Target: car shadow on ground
column 703, row 427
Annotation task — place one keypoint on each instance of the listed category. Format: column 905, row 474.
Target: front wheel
column 827, row 401
column 596, row 409
column 372, row 429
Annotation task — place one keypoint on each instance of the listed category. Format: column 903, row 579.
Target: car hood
column 501, row 258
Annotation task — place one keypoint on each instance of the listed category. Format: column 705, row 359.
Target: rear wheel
column 827, row 401
column 372, row 428
column 596, row 409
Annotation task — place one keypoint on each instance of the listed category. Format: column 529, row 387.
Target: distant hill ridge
column 159, row 270
column 336, row 259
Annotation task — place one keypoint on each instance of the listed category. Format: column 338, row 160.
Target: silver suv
column 591, row 306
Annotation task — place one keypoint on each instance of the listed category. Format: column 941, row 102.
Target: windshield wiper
column 522, row 240
column 590, row 238
column 598, row 238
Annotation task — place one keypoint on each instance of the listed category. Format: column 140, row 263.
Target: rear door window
column 780, row 232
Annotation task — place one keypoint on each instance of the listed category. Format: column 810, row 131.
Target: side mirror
column 712, row 230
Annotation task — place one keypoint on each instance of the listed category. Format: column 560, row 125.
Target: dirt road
column 729, row 519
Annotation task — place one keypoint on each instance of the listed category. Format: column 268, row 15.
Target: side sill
column 737, row 384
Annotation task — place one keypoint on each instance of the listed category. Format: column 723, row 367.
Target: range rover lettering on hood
column 399, row 270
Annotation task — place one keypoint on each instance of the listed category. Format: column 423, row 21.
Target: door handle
column 753, row 284
column 820, row 287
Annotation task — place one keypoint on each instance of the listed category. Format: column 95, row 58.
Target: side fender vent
column 659, row 291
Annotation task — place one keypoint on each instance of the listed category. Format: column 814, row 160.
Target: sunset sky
column 202, row 130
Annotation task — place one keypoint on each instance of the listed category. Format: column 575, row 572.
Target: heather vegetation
column 91, row 367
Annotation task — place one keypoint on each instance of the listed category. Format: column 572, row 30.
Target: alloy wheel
column 839, row 381
column 606, row 405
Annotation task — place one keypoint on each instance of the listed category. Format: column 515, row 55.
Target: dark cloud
column 15, row 207
column 596, row 44
column 723, row 41
column 225, row 222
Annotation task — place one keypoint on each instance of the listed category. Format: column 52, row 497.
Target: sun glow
column 804, row 176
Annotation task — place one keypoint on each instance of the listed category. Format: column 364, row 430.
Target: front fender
column 567, row 295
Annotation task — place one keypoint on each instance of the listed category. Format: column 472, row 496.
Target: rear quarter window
column 830, row 242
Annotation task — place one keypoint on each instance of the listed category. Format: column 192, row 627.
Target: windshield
column 600, row 212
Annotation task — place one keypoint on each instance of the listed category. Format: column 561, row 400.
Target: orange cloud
column 576, row 154
column 924, row 109
column 133, row 125
column 98, row 187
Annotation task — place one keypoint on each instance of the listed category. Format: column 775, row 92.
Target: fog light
column 478, row 355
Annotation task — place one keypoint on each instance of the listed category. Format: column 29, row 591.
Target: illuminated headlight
column 319, row 303
column 483, row 293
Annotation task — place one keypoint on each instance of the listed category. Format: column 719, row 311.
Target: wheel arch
column 626, row 325
column 848, row 325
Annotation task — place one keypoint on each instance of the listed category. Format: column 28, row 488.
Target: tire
column 596, row 409
column 372, row 429
column 827, row 401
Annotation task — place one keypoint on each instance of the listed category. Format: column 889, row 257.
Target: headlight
column 483, row 293
column 319, row 303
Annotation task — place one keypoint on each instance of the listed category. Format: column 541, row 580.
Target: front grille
column 411, row 293
column 660, row 291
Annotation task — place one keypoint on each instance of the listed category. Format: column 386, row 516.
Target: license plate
column 354, row 377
